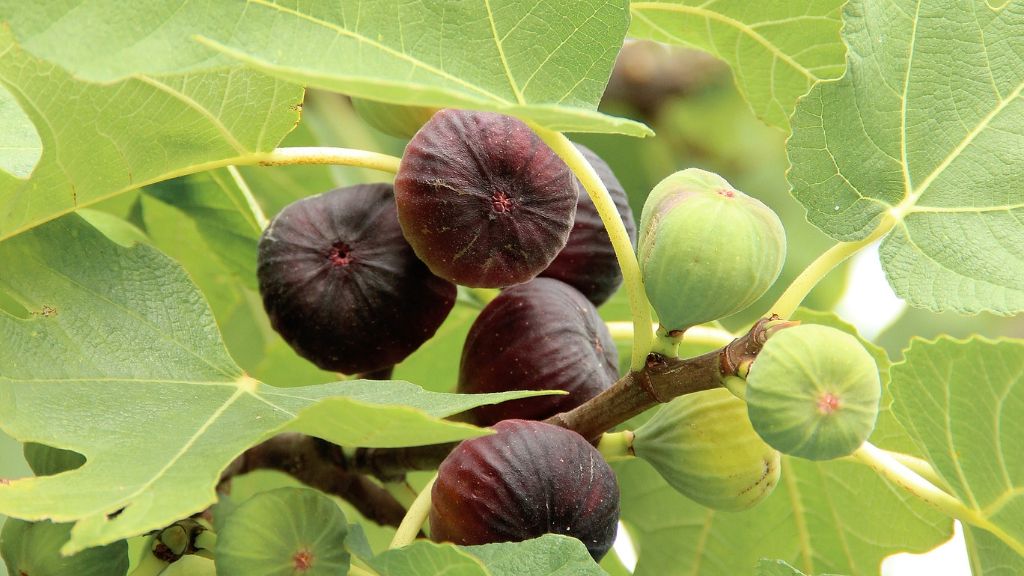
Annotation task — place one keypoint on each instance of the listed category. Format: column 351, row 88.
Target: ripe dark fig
column 392, row 119
column 588, row 261
column 527, row 480
column 483, row 201
column 341, row 284
column 542, row 335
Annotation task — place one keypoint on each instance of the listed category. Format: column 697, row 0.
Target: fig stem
column 150, row 565
column 260, row 218
column 919, row 466
column 697, row 335
column 616, row 446
column 414, row 518
column 666, row 344
column 643, row 336
column 892, row 470
column 795, row 293
column 330, row 155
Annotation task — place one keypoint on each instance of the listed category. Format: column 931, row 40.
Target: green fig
column 392, row 119
column 813, row 392
column 706, row 249
column 33, row 549
column 703, row 445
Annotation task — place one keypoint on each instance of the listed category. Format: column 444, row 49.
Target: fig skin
column 392, row 119
column 813, row 392
column 542, row 335
column 343, row 287
column 588, row 262
column 527, row 480
column 483, row 201
column 706, row 249
column 704, row 446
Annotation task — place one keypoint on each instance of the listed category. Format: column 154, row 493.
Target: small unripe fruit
column 706, row 249
column 703, row 445
column 392, row 119
column 542, row 335
column 527, row 480
column 588, row 262
column 813, row 392
column 483, row 201
column 343, row 287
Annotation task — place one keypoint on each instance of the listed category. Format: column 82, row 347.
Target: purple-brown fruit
column 483, row 201
column 588, row 261
column 542, row 335
column 341, row 284
column 527, row 480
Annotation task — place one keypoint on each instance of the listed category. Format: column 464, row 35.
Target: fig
column 343, row 287
column 33, row 549
column 542, row 335
column 392, row 119
column 703, row 445
column 588, row 262
column 483, row 201
column 706, row 249
column 527, row 480
column 813, row 392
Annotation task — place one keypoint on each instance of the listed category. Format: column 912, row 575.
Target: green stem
column 329, row 155
column 484, row 295
column 150, row 565
column 892, row 470
column 698, row 335
column 787, row 304
column 615, row 446
column 254, row 207
column 206, row 540
column 643, row 337
column 666, row 344
column 414, row 518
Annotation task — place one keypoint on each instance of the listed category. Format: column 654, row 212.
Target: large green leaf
column 549, row 555
column 777, row 50
column 925, row 128
column 101, row 140
column 122, row 362
column 828, row 516
column 963, row 404
column 990, row 556
column 529, row 58
column 20, row 146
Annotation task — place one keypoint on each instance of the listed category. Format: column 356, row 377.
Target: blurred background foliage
column 687, row 97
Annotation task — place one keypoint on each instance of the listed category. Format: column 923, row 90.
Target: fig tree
column 483, row 201
column 813, row 392
column 343, row 287
column 706, row 249
column 392, row 119
column 527, row 480
column 703, row 445
column 542, row 335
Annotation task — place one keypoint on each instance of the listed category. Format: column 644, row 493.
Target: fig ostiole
column 706, row 250
column 541, row 335
column 813, row 392
column 527, row 480
column 482, row 200
column 392, row 119
column 704, row 446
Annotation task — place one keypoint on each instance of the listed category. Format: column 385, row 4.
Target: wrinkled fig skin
column 705, row 448
column 542, row 335
column 483, row 201
column 392, row 119
column 341, row 284
column 588, row 261
column 527, row 480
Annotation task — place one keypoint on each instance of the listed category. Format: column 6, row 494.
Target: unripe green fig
column 703, row 445
column 706, row 249
column 813, row 392
column 392, row 119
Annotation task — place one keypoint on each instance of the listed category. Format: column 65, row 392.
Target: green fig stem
column 483, row 295
column 795, row 293
column 329, row 155
column 919, row 466
column 206, row 540
column 259, row 217
column 667, row 343
column 640, row 308
column 616, row 446
column 414, row 518
column 736, row 385
column 892, row 470
column 150, row 565
column 698, row 335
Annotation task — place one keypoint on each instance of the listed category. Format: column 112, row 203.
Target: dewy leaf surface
column 777, row 50
column 20, row 146
column 101, row 140
column 924, row 134
column 963, row 404
column 121, row 361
